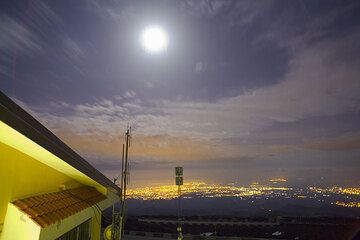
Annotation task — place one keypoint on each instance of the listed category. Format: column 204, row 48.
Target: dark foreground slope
column 261, row 228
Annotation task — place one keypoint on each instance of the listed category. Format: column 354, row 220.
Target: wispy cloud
column 237, row 13
column 342, row 143
column 74, row 53
column 24, row 35
column 17, row 38
column 43, row 14
column 113, row 10
column 129, row 94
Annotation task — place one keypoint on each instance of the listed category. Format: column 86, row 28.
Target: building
column 47, row 190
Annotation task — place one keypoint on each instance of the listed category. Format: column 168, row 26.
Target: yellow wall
column 19, row 226
column 27, row 169
column 22, row 176
column 16, row 140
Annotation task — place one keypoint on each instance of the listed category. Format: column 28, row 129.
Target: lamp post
column 179, row 180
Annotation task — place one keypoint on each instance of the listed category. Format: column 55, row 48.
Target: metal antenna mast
column 116, row 229
column 124, row 180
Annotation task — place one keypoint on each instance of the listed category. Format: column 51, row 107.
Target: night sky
column 246, row 90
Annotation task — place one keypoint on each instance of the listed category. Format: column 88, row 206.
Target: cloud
column 337, row 144
column 20, row 35
column 73, row 50
column 17, row 38
column 118, row 97
column 129, row 94
column 237, row 13
column 199, row 67
column 113, row 10
column 316, row 84
column 44, row 14
column 206, row 8
column 321, row 81
column 75, row 53
column 4, row 70
column 310, row 28
column 23, row 37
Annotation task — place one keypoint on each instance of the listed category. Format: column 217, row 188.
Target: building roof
column 50, row 208
column 18, row 119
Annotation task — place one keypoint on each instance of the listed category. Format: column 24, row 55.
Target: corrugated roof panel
column 50, row 208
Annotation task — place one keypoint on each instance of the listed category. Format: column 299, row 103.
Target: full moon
column 154, row 39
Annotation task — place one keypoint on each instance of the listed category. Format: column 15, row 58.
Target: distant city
column 266, row 209
column 270, row 189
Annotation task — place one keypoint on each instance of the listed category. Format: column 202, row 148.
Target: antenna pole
column 179, row 214
column 179, row 181
column 124, row 181
column 122, row 173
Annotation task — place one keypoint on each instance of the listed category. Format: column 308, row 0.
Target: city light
column 337, row 190
column 200, row 189
column 276, row 180
column 349, row 204
column 344, row 197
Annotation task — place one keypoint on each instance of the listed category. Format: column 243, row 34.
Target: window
column 81, row 232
